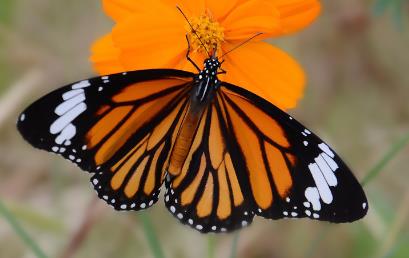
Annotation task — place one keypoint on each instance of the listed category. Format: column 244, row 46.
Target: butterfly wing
column 118, row 127
column 250, row 158
column 292, row 173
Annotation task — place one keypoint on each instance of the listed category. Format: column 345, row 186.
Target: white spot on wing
column 81, row 85
column 71, row 94
column 326, row 149
column 321, row 184
column 22, row 117
column 66, row 134
column 67, row 118
column 326, row 171
column 312, row 195
column 330, row 161
column 69, row 104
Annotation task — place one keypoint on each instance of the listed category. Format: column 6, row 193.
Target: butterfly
column 223, row 154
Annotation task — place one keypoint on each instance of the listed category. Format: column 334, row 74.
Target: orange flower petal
column 192, row 8
column 119, row 9
column 219, row 9
column 249, row 18
column 105, row 56
column 147, row 42
column 296, row 14
column 266, row 71
column 185, row 65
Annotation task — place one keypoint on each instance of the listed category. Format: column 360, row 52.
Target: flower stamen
column 211, row 34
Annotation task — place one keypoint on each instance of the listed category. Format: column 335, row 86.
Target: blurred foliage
column 6, row 11
column 398, row 9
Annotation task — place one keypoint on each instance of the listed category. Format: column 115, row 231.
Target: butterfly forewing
column 119, row 127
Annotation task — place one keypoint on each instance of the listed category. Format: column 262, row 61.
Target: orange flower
column 151, row 34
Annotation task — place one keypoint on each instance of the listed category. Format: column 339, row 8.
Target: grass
column 150, row 235
column 394, row 150
column 19, row 230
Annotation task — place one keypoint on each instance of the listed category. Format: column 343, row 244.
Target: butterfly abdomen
column 184, row 140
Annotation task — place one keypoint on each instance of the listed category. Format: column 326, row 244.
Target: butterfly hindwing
column 118, row 127
column 291, row 172
column 207, row 194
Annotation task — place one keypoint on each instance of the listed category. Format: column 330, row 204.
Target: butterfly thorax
column 206, row 81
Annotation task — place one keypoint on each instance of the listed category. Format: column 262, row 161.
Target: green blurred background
column 356, row 56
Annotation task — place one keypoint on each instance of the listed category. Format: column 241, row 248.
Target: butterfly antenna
column 241, row 44
column 193, row 30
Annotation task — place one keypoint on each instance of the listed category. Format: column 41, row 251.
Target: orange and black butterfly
column 223, row 153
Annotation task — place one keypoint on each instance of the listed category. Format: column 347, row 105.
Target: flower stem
column 393, row 151
column 234, row 245
column 211, row 244
column 18, row 229
column 151, row 237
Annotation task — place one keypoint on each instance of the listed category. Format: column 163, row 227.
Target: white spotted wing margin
column 324, row 188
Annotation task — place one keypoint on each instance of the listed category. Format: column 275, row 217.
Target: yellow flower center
column 211, row 34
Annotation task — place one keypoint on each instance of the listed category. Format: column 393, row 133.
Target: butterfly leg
column 222, row 72
column 188, row 54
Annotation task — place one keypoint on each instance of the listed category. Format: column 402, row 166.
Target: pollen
column 205, row 34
